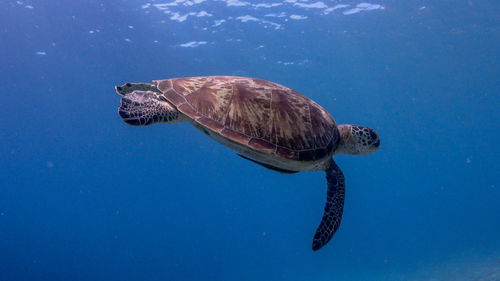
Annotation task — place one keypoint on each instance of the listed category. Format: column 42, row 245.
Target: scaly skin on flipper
column 334, row 207
column 142, row 108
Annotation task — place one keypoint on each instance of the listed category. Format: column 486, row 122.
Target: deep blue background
column 85, row 197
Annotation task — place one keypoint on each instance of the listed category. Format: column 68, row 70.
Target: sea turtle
column 266, row 123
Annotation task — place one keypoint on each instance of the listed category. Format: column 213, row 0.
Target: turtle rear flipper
column 334, row 207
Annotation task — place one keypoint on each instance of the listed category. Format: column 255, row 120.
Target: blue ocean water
column 85, row 197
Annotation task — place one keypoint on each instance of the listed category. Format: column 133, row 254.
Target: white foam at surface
column 363, row 7
column 236, row 3
column 178, row 17
column 193, row 44
column 270, row 23
column 183, row 10
column 280, row 15
column 298, row 17
column 165, row 6
column 352, row 11
column 336, row 7
column 267, row 5
column 300, row 62
column 369, row 7
column 186, row 3
column 316, row 5
column 194, row 2
column 29, row 7
column 247, row 18
column 218, row 22
column 203, row 14
column 41, row 53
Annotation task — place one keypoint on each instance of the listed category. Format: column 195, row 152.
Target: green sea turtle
column 265, row 122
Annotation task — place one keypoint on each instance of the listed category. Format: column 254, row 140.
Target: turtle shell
column 262, row 115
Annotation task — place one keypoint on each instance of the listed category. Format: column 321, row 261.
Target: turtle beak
column 119, row 90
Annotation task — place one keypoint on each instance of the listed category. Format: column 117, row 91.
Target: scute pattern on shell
column 263, row 115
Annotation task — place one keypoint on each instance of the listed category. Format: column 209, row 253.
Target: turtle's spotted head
column 142, row 108
column 357, row 140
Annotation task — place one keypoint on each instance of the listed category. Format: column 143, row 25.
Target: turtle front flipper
column 334, row 207
column 142, row 108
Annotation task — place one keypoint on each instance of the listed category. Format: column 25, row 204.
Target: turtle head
column 142, row 108
column 357, row 140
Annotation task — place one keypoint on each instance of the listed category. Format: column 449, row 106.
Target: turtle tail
column 142, row 108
